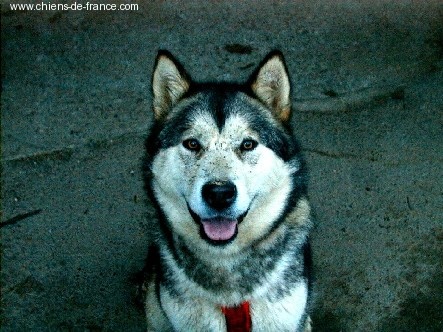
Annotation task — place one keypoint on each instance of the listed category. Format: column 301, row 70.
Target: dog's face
column 222, row 162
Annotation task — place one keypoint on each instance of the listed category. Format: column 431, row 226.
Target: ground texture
column 75, row 109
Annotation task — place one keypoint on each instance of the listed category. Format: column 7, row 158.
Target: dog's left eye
column 192, row 144
column 248, row 145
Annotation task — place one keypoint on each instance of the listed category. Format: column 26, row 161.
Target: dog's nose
column 219, row 195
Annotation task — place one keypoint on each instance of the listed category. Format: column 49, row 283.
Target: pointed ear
column 169, row 83
column 271, row 85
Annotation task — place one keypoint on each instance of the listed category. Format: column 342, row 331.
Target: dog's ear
column 270, row 83
column 169, row 83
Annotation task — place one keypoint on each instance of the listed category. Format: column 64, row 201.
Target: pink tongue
column 219, row 229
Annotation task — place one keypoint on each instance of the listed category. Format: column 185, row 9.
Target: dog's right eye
column 192, row 145
column 248, row 145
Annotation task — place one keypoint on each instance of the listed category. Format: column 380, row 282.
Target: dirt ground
column 75, row 109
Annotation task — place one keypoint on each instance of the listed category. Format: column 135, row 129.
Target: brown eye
column 192, row 144
column 248, row 145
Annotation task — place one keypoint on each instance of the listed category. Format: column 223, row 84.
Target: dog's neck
column 238, row 319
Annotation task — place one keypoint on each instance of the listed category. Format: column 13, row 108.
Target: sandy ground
column 75, row 109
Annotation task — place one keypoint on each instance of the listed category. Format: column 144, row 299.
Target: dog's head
column 224, row 167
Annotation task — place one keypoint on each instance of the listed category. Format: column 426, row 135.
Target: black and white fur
column 229, row 183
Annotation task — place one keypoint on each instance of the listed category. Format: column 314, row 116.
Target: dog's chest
column 188, row 314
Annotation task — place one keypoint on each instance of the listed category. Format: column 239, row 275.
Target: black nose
column 219, row 195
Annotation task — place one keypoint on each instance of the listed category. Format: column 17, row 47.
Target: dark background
column 75, row 108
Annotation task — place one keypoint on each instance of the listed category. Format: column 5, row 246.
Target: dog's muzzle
column 222, row 228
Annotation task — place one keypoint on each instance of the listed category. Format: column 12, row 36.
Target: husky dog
column 229, row 183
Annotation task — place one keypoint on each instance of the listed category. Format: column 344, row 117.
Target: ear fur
column 270, row 83
column 169, row 83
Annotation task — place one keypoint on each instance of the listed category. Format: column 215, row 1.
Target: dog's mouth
column 218, row 230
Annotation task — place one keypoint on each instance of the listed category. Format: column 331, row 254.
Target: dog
column 229, row 183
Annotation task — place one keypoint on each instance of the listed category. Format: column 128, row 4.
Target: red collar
column 238, row 319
